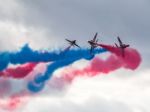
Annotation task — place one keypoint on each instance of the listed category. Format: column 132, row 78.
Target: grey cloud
column 80, row 19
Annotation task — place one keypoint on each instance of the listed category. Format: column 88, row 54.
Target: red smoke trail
column 14, row 102
column 22, row 70
column 10, row 101
column 5, row 87
column 17, row 100
column 131, row 59
column 115, row 61
column 10, row 104
column 18, row 72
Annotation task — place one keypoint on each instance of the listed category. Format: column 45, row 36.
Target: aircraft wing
column 68, row 40
column 94, row 39
column 116, row 45
column 120, row 42
column 77, row 45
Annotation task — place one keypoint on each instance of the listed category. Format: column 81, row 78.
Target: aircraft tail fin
column 116, row 45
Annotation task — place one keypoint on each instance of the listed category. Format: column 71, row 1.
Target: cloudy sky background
column 44, row 24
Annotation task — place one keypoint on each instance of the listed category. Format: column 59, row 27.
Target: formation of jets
column 93, row 44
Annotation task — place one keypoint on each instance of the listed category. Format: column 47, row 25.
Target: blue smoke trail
column 4, row 60
column 27, row 55
column 59, row 59
column 70, row 57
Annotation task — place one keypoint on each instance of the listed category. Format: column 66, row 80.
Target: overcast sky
column 46, row 23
